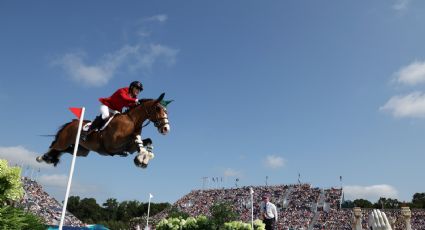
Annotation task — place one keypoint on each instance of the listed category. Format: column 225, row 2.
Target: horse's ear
column 160, row 97
column 165, row 102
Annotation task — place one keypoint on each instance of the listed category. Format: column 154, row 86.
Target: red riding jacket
column 120, row 99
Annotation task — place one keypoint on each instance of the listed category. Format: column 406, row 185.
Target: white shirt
column 269, row 209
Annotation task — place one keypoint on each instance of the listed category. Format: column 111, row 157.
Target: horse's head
column 157, row 113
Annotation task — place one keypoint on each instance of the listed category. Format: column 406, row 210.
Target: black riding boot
column 95, row 125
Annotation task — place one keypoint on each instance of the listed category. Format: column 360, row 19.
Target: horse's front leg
column 145, row 151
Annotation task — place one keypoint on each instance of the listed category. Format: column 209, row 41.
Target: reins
column 157, row 123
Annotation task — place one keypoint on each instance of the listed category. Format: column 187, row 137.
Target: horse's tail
column 59, row 132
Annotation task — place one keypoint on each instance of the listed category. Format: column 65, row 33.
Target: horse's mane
column 143, row 100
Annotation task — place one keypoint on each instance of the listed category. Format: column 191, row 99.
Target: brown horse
column 120, row 137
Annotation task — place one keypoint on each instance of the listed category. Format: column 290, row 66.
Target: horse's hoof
column 139, row 164
column 39, row 159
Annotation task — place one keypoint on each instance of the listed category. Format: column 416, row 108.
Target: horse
column 120, row 137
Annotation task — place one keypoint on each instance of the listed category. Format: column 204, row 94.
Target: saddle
column 86, row 126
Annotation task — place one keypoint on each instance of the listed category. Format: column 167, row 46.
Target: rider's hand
column 379, row 221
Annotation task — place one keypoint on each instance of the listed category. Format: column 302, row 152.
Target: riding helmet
column 137, row 84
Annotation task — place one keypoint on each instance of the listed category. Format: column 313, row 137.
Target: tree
column 90, row 210
column 74, row 205
column 133, row 208
column 11, row 189
column 386, row 203
column 10, row 183
column 362, row 203
column 347, row 204
column 419, row 200
column 111, row 209
column 223, row 212
column 14, row 218
column 122, row 213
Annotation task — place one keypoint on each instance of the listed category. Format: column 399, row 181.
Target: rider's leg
column 98, row 122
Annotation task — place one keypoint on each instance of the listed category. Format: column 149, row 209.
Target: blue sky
column 262, row 89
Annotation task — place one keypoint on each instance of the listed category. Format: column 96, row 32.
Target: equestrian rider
column 124, row 97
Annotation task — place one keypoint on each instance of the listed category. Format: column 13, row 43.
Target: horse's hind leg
column 63, row 141
column 50, row 157
column 53, row 156
column 56, row 149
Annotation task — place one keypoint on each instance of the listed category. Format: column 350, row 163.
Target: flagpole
column 149, row 207
column 251, row 191
column 71, row 172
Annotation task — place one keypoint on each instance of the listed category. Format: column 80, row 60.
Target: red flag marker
column 76, row 111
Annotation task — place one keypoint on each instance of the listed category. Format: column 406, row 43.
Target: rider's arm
column 125, row 97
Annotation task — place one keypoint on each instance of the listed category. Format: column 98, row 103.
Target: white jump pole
column 71, row 172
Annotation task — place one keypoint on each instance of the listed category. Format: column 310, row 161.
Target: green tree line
column 112, row 214
column 418, row 201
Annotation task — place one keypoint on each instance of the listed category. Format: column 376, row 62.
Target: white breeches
column 105, row 111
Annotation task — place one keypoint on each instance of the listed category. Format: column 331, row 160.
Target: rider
column 124, row 97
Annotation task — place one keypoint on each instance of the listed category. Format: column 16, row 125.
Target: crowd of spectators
column 38, row 202
column 418, row 219
column 334, row 219
column 294, row 202
column 333, row 197
column 297, row 207
column 199, row 202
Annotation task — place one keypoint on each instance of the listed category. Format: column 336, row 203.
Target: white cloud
column 274, row 162
column 60, row 181
column 411, row 105
column 401, row 5
column 232, row 173
column 412, row 74
column 152, row 54
column 133, row 57
column 20, row 156
column 158, row 17
column 371, row 193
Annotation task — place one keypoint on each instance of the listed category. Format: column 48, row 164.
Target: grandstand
column 38, row 202
column 300, row 206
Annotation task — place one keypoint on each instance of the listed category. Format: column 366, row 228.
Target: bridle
column 158, row 123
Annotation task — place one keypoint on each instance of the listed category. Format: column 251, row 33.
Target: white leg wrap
column 142, row 150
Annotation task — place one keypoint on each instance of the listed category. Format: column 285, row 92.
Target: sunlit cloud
column 90, row 71
column 411, row 105
column 401, row 5
column 274, row 162
column 130, row 58
column 412, row 74
column 158, row 17
column 19, row 155
column 371, row 193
